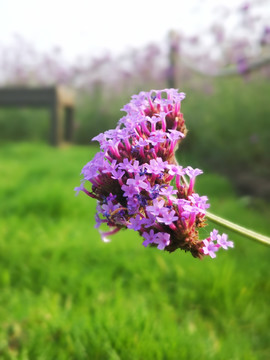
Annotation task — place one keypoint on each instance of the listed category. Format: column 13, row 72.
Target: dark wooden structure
column 59, row 100
column 173, row 59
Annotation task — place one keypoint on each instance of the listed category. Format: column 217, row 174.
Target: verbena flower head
column 133, row 177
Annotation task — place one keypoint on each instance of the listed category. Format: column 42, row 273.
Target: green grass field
column 66, row 295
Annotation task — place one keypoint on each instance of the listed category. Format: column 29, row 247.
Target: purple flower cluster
column 138, row 183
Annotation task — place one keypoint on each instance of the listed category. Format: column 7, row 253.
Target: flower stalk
column 235, row 227
column 238, row 229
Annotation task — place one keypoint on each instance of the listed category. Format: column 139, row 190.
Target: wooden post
column 173, row 59
column 69, row 123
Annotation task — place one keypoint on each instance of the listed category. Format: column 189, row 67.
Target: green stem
column 238, row 229
column 234, row 227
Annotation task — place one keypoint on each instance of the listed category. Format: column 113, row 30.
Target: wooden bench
column 59, row 100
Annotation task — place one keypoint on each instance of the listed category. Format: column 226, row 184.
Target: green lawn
column 66, row 295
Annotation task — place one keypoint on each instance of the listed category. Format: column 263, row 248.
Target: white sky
column 87, row 26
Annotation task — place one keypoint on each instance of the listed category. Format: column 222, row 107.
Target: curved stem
column 238, row 229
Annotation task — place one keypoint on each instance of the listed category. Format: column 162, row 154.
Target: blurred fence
column 58, row 100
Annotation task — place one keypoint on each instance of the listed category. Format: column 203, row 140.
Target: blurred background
column 62, row 292
column 216, row 52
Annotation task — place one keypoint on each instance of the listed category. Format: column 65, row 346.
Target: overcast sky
column 87, row 26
